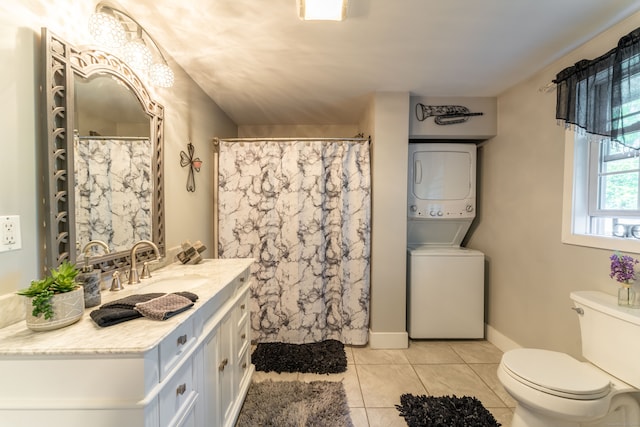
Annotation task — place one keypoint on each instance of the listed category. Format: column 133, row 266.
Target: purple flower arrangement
column 622, row 268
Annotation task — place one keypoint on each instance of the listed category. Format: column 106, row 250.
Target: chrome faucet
column 133, row 271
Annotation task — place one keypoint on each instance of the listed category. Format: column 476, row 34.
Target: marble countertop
column 134, row 336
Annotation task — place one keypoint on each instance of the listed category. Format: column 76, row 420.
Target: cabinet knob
column 181, row 389
column 242, row 280
column 242, row 307
column 223, row 364
column 243, row 336
column 182, row 339
column 244, row 365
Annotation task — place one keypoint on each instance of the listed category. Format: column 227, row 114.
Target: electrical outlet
column 10, row 239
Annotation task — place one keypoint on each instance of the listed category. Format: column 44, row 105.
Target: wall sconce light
column 114, row 30
column 322, row 10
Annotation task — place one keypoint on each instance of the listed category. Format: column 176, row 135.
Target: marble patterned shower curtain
column 302, row 210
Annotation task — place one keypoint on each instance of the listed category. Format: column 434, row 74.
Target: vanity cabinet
column 193, row 369
column 226, row 367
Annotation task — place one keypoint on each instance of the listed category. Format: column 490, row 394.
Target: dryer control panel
column 449, row 209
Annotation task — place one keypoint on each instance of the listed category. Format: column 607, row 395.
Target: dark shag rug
column 444, row 411
column 325, row 357
column 295, row 404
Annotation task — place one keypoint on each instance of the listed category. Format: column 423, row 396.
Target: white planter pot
column 68, row 308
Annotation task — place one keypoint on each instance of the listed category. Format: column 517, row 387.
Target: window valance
column 602, row 95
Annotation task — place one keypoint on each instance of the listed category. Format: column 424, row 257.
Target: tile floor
column 375, row 379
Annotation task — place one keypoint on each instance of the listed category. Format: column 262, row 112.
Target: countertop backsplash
column 12, row 309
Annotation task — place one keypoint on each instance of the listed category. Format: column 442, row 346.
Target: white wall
column 530, row 272
column 18, row 174
column 190, row 115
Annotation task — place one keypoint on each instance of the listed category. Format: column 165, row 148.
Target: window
column 601, row 98
column 601, row 194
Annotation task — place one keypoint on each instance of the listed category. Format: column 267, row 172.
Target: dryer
column 441, row 193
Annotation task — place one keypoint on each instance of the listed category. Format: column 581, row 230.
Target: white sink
column 174, row 283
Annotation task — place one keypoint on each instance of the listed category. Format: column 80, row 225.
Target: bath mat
column 450, row 411
column 295, row 404
column 325, row 357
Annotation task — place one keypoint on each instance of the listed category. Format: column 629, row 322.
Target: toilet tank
column 610, row 334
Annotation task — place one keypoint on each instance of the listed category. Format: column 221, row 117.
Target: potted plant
column 55, row 301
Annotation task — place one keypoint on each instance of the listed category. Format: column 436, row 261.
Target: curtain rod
column 217, row 140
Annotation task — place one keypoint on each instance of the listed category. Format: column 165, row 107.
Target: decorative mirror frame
column 62, row 62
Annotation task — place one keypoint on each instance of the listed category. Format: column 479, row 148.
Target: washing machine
column 445, row 293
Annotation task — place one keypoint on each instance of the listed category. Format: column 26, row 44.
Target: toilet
column 553, row 389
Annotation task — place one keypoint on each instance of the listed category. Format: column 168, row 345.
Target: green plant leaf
column 60, row 280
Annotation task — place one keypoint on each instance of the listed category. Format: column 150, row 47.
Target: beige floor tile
column 431, row 352
column 375, row 379
column 349, row 353
column 459, row 380
column 489, row 374
column 349, row 380
column 477, row 351
column 502, row 415
column 385, row 417
column 359, row 417
column 369, row 356
column 382, row 385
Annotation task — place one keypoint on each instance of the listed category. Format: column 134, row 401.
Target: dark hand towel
column 123, row 309
column 112, row 316
column 131, row 301
column 193, row 297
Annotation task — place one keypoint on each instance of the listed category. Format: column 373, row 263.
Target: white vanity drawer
column 244, row 361
column 173, row 348
column 243, row 372
column 242, row 339
column 241, row 310
column 178, row 395
column 241, row 280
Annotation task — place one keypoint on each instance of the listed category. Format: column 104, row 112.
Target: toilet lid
column 556, row 373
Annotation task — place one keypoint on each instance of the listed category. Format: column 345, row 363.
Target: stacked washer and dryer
column 445, row 295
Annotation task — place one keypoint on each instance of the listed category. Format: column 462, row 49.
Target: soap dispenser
column 90, row 277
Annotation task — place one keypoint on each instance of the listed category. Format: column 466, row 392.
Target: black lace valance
column 596, row 95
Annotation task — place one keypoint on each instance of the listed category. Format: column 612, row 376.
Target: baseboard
column 500, row 340
column 388, row 340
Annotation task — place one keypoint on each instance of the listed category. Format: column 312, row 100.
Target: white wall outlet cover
column 10, row 238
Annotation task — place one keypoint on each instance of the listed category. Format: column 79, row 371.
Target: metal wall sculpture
column 444, row 114
column 194, row 164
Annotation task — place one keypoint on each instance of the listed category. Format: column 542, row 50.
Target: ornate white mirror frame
column 62, row 62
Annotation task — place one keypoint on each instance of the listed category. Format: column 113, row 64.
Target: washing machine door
column 556, row 373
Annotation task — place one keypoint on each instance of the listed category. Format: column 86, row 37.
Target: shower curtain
column 113, row 190
column 301, row 208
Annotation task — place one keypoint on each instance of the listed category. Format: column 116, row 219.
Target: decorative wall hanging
column 194, row 164
column 444, row 114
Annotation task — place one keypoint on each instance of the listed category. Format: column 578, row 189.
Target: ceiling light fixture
column 117, row 32
column 322, row 10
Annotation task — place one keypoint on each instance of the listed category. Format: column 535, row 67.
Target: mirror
column 104, row 157
column 112, row 165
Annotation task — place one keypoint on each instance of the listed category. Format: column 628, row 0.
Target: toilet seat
column 555, row 373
